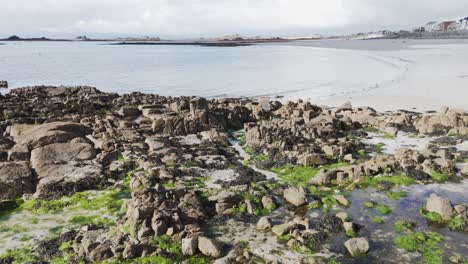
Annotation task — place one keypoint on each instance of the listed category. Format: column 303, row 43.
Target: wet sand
column 430, row 74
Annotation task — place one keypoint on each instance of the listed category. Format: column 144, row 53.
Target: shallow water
column 193, row 70
column 385, row 74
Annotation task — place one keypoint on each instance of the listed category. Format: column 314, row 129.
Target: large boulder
column 295, row 196
column 65, row 168
column 357, row 246
column 16, row 179
column 189, row 246
column 440, row 205
column 209, row 247
column 45, row 134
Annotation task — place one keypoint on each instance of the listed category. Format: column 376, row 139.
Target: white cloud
column 211, row 17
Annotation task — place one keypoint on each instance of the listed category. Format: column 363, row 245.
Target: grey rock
column 209, row 247
column 16, row 179
column 41, row 135
column 440, row 205
column 357, row 246
column 295, row 196
column 189, row 246
column 264, row 223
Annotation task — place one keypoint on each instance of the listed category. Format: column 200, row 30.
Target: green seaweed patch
column 362, row 152
column 371, row 129
column 284, row 238
column 379, row 147
column 454, row 223
column 426, row 243
column 14, row 229
column 300, row 176
column 172, row 253
column 369, row 204
column 256, row 200
column 23, row 255
column 396, row 195
column 197, row 182
column 350, row 233
column 328, row 202
column 170, row 184
column 403, row 226
column 383, row 209
column 84, row 220
column 110, row 201
column 378, row 220
column 440, row 177
column 397, row 179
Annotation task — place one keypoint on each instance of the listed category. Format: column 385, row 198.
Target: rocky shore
column 93, row 177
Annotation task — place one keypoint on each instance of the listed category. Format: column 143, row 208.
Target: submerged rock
column 357, row 246
column 440, row 205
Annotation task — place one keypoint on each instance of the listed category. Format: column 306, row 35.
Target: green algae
column 426, row 243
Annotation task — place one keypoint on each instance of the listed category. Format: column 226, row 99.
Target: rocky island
column 94, row 177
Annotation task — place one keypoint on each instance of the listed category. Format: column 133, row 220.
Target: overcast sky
column 191, row 18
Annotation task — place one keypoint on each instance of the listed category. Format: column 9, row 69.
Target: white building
column 430, row 26
column 462, row 24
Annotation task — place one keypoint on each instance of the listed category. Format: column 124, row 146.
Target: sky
column 211, row 18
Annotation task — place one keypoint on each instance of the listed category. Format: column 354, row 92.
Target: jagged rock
column 295, row 196
column 264, row 223
column 345, row 107
column 16, row 179
column 464, row 171
column 209, row 247
column 129, row 111
column 357, row 246
column 189, row 246
column 348, row 226
column 392, row 131
column 440, row 205
column 282, row 229
column 460, row 209
column 18, row 153
column 251, row 207
column 312, row 160
column 341, row 199
column 268, row 201
column 41, row 135
column 343, row 216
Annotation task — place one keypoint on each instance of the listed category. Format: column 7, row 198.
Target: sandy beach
column 428, row 74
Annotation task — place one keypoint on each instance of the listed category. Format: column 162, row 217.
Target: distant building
column 463, row 24
column 446, row 26
column 430, row 26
